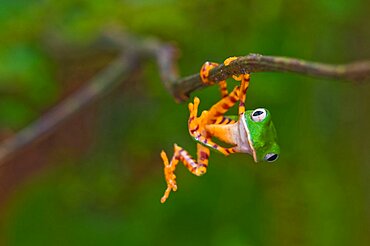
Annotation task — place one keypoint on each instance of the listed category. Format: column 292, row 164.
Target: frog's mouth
column 250, row 142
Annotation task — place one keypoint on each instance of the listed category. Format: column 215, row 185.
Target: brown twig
column 357, row 71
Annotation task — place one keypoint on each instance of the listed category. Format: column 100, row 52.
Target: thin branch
column 252, row 63
column 138, row 50
column 107, row 79
column 135, row 51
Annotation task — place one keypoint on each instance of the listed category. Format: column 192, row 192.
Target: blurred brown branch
column 133, row 52
column 357, row 71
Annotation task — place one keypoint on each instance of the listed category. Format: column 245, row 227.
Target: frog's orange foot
column 170, row 187
column 170, row 177
column 239, row 77
column 193, row 109
column 229, row 60
column 204, row 71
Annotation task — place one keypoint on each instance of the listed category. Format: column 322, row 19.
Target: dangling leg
column 198, row 168
column 169, row 175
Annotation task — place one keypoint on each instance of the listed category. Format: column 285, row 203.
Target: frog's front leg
column 208, row 66
column 217, row 111
column 198, row 167
column 244, row 78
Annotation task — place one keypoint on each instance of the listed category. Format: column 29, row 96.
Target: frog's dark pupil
column 257, row 113
column 272, row 158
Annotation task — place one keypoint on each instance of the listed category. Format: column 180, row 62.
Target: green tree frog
column 251, row 131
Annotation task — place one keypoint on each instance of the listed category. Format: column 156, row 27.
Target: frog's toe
column 164, row 158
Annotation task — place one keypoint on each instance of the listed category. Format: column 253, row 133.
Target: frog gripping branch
column 250, row 132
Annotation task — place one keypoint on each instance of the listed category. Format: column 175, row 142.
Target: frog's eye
column 258, row 115
column 270, row 157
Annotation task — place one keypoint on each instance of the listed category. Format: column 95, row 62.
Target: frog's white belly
column 235, row 134
column 242, row 139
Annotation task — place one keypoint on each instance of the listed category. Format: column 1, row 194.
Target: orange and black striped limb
column 224, row 121
column 243, row 92
column 198, row 167
column 217, row 111
column 244, row 78
column 197, row 125
column 223, row 88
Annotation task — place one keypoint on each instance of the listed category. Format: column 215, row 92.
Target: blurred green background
column 102, row 185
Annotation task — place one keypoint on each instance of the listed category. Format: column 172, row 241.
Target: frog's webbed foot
column 204, row 72
column 198, row 167
column 169, row 174
column 193, row 109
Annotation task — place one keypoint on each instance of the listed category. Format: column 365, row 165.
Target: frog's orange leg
column 169, row 168
column 204, row 73
column 244, row 78
column 223, row 88
column 198, row 168
column 197, row 127
column 243, row 92
column 215, row 115
column 216, row 112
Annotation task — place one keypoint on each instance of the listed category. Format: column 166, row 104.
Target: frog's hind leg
column 169, row 168
column 198, row 167
column 197, row 125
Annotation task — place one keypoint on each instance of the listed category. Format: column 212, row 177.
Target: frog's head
column 261, row 135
